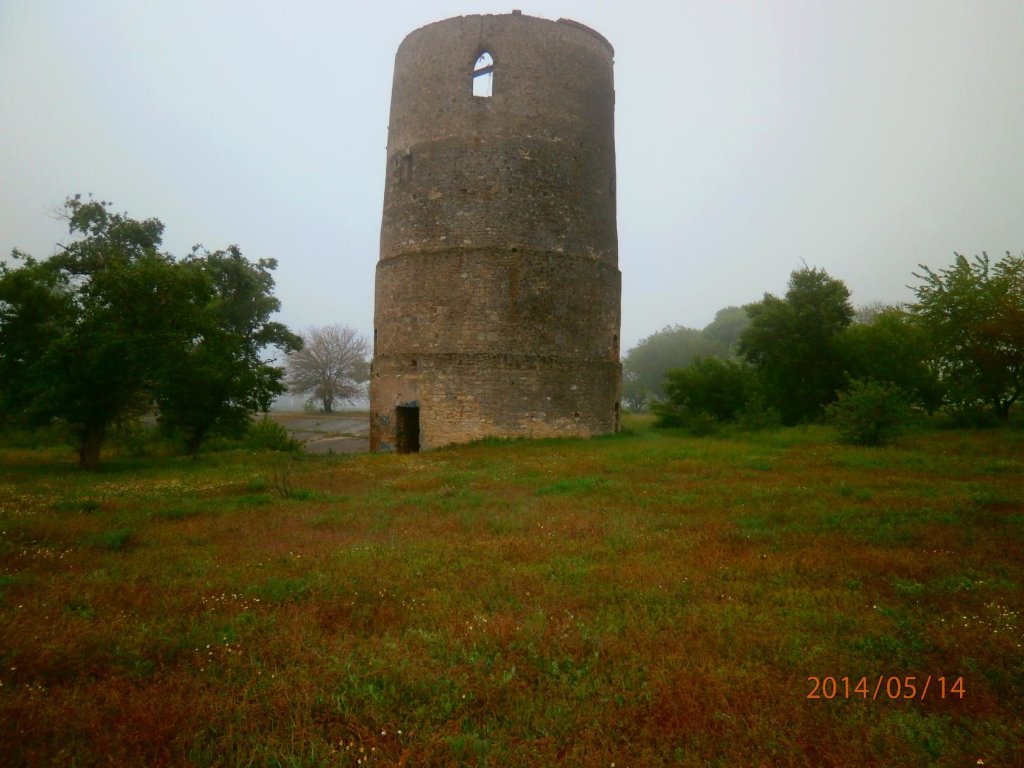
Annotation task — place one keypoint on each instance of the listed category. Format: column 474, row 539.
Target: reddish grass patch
column 643, row 600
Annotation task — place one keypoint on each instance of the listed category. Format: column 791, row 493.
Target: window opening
column 483, row 75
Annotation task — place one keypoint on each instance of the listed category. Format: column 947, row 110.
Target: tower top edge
column 590, row 31
column 501, row 17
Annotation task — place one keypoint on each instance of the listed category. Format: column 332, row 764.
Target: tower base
column 441, row 399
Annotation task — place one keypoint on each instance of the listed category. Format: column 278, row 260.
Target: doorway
column 407, row 429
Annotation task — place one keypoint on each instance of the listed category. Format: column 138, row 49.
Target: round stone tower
column 498, row 288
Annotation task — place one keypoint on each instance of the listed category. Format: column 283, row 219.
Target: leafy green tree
column 794, row 344
column 35, row 304
column 891, row 346
column 644, row 366
column 220, row 379
column 93, row 334
column 973, row 312
column 116, row 306
column 710, row 387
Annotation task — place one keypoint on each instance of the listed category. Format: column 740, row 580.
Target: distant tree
column 220, row 379
column 973, row 312
column 727, row 327
column 794, row 343
column 98, row 332
column 644, row 366
column 331, row 367
column 866, row 314
column 890, row 346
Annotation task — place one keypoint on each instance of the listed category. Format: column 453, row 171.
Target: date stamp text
column 886, row 687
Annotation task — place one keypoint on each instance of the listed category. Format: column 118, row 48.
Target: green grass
column 643, row 599
column 114, row 540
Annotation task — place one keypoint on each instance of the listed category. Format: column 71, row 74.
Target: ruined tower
column 498, row 289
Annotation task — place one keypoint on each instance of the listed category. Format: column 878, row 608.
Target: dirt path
column 345, row 432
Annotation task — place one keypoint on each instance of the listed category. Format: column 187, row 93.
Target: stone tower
column 498, row 289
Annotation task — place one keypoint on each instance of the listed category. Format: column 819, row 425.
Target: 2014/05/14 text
column 891, row 687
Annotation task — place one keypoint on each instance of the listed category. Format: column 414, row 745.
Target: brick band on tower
column 498, row 289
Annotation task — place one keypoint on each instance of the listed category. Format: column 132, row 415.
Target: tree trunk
column 194, row 441
column 328, row 402
column 1003, row 408
column 89, row 451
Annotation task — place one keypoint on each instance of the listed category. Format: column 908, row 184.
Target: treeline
column 111, row 328
column 808, row 354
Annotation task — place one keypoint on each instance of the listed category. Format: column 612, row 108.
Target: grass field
column 639, row 600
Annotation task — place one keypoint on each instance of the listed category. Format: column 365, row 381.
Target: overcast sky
column 860, row 136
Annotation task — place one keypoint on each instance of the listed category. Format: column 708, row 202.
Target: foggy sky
column 860, row 136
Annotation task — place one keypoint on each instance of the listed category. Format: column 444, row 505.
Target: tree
column 88, row 352
column 220, row 379
column 35, row 304
column 644, row 366
column 794, row 343
column 973, row 313
column 331, row 367
column 890, row 346
column 866, row 314
column 97, row 332
column 727, row 327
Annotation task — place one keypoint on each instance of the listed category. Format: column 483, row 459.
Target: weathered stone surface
column 498, row 289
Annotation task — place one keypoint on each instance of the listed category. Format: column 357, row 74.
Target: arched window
column 483, row 75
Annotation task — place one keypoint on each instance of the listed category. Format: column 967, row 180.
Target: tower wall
column 498, row 289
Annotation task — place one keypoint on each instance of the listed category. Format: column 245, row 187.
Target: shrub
column 702, row 424
column 709, row 392
column 268, row 435
column 669, row 415
column 756, row 415
column 870, row 412
column 137, row 438
column 14, row 435
column 971, row 415
column 281, row 477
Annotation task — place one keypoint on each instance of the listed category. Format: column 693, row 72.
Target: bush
column 971, row 415
column 136, row 438
column 757, row 415
column 268, row 435
column 669, row 416
column 20, row 436
column 702, row 424
column 706, row 394
column 869, row 412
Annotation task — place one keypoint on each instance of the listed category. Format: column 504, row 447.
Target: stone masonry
column 498, row 288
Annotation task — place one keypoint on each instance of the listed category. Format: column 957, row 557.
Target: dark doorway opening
column 407, row 429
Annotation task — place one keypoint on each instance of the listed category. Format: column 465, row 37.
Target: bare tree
column 331, row 367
